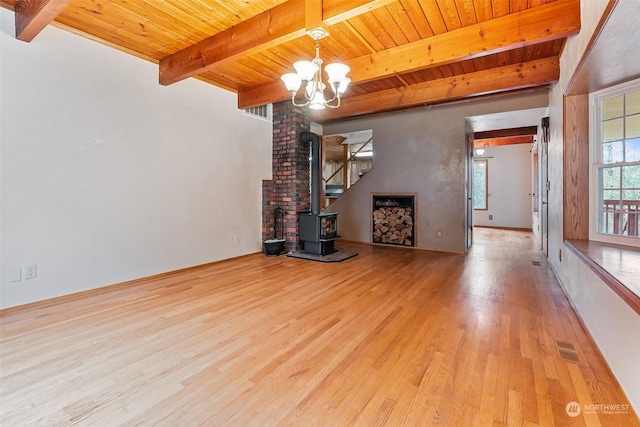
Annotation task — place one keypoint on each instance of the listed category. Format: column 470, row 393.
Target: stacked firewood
column 393, row 225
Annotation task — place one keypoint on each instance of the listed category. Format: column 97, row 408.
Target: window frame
column 486, row 184
column 595, row 165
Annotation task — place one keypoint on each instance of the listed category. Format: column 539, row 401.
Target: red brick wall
column 289, row 188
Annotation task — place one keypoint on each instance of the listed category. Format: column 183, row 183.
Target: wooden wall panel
column 576, row 167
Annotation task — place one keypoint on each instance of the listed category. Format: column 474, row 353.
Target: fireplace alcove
column 393, row 219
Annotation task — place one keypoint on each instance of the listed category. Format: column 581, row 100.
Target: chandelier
column 308, row 78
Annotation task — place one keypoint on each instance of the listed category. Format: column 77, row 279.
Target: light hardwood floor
column 391, row 337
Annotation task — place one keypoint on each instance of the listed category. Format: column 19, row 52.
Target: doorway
column 507, row 140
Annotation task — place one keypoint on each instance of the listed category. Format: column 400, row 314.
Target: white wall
column 614, row 326
column 108, row 176
column 509, row 186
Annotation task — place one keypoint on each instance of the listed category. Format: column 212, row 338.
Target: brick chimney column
column 289, row 186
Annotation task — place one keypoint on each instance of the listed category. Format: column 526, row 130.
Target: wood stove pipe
column 316, row 178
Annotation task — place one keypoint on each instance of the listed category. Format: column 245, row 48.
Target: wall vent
column 263, row 112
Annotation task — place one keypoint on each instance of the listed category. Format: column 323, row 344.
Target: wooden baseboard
column 503, row 228
column 382, row 245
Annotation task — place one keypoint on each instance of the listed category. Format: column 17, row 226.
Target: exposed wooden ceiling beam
column 536, row 25
column 313, row 15
column 278, row 25
column 510, row 77
column 531, row 26
column 33, row 15
column 505, row 133
column 494, row 142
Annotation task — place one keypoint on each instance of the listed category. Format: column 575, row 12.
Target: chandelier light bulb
column 337, row 71
column 342, row 87
column 291, row 81
column 305, row 69
column 318, row 101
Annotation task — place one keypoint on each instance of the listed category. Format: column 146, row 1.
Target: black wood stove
column 318, row 230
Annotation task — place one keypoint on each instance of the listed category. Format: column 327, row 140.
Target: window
column 480, row 184
column 615, row 174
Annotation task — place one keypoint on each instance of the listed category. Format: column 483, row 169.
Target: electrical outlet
column 15, row 275
column 237, row 238
column 30, row 272
column 439, row 233
column 490, row 217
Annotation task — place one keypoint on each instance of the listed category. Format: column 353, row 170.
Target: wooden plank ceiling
column 402, row 53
